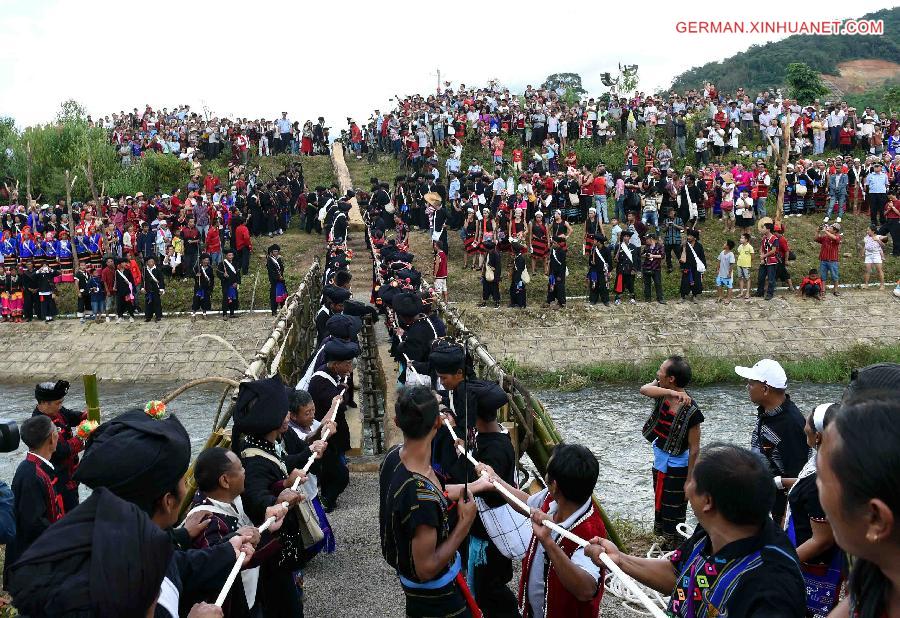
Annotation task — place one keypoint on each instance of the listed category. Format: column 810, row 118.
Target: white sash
column 229, row 267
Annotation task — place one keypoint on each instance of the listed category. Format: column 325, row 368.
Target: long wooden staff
column 271, row 520
column 652, row 607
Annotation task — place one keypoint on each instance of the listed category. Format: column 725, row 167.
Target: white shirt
column 42, row 459
column 311, row 487
column 536, row 575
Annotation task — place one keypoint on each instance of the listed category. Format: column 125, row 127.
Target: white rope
column 630, row 584
column 629, row 600
column 271, row 520
column 273, row 369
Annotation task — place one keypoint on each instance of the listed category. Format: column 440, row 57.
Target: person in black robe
column 82, row 278
column 230, row 275
column 490, row 275
column 556, row 284
column 125, row 290
column 333, row 299
column 37, row 504
column 143, row 459
column 277, row 285
column 413, row 515
column 325, row 385
column 105, row 559
column 204, row 282
column 46, row 304
column 418, row 332
column 260, row 418
column 493, row 448
column 50, row 396
column 154, row 283
column 517, row 294
column 599, row 264
column 692, row 254
column 29, row 291
column 337, row 230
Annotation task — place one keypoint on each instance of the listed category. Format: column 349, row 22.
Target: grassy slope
column 465, row 284
column 297, row 248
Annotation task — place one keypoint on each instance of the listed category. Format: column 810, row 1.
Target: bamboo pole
column 70, row 183
column 782, row 176
column 28, row 164
column 91, row 396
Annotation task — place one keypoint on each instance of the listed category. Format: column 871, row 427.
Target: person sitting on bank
column 416, row 537
column 674, row 431
column 737, row 562
column 558, row 579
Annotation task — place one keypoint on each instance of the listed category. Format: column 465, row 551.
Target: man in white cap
column 778, row 434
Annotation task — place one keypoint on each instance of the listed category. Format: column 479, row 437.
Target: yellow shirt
column 744, row 253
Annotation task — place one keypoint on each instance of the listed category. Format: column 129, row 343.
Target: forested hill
column 763, row 66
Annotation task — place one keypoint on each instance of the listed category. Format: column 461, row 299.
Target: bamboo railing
column 537, row 434
column 284, row 352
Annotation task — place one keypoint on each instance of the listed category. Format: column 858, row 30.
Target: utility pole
column 438, row 74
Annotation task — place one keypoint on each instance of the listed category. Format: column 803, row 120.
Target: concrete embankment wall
column 125, row 352
column 790, row 328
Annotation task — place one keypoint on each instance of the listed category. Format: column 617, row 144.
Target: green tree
column 568, row 81
column 803, row 83
column 891, row 98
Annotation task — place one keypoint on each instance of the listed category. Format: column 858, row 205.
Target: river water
column 607, row 419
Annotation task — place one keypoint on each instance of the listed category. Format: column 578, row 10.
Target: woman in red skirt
column 540, row 246
column 306, row 141
column 471, row 240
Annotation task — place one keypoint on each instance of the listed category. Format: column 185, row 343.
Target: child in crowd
column 724, row 278
column 96, row 296
column 811, row 286
column 614, row 232
column 744, row 264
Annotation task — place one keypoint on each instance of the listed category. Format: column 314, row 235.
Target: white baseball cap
column 768, row 371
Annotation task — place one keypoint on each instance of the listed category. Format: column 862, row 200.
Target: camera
column 9, row 436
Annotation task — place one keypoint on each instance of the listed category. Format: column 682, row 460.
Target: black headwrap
column 136, row 456
column 261, row 406
column 51, row 391
column 105, row 558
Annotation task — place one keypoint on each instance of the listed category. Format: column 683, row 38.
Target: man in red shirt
column 768, row 261
column 517, row 159
column 243, row 245
column 108, row 276
column 599, row 189
column 210, row 182
column 829, row 237
column 440, row 270
column 892, row 223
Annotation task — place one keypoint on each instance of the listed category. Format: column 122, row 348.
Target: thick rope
column 628, row 582
column 271, row 520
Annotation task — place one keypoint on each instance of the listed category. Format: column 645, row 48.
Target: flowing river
column 607, row 419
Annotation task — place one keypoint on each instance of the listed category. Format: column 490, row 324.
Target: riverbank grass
column 834, row 367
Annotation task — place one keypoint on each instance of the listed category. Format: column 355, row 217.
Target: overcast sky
column 262, row 57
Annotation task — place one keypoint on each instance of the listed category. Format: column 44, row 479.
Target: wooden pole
column 70, row 183
column 91, row 396
column 782, row 176
column 28, row 174
column 89, row 175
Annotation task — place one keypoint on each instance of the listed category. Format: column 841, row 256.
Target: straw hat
column 727, row 177
column 433, row 199
column 761, row 224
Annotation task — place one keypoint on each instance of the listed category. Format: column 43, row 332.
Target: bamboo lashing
column 642, row 597
column 271, row 520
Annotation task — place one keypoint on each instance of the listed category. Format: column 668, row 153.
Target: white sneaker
column 632, row 301
column 838, row 220
column 193, row 314
column 79, row 315
column 130, row 319
column 108, row 319
column 618, row 302
column 825, row 220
